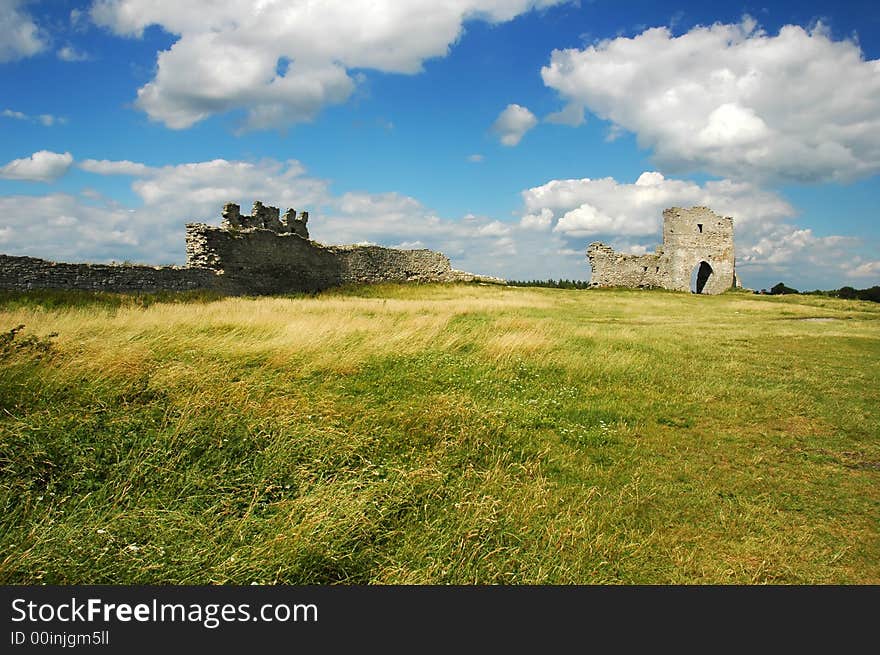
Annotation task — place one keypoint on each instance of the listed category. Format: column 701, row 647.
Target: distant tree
column 781, row 290
column 872, row 294
column 847, row 293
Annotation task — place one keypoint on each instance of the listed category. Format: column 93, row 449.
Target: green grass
column 439, row 434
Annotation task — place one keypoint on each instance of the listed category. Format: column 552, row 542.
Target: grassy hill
column 440, row 434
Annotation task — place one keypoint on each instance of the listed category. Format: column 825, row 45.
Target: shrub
column 10, row 345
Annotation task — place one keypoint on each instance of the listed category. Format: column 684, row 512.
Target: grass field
column 440, row 434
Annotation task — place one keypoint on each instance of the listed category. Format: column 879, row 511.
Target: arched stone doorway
column 700, row 276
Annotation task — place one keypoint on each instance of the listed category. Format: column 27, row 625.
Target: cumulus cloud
column 477, row 243
column 59, row 226
column 572, row 114
column 734, row 100
column 513, row 123
column 494, row 229
column 783, row 242
column 587, row 207
column 283, row 61
column 539, row 221
column 786, row 252
column 21, row 35
column 201, row 188
column 42, row 166
column 866, row 270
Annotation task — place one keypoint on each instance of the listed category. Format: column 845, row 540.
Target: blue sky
column 508, row 134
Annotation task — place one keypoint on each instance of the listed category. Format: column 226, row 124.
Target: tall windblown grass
column 451, row 434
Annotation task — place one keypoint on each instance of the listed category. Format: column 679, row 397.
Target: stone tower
column 697, row 255
column 697, row 239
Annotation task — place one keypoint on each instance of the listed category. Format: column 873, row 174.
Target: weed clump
column 11, row 344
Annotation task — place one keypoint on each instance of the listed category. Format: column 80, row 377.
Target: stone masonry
column 26, row 273
column 260, row 253
column 697, row 244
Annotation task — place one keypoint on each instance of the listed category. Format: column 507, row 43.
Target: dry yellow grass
column 443, row 434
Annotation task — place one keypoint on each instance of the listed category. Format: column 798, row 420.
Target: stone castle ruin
column 260, row 253
column 267, row 253
column 697, row 255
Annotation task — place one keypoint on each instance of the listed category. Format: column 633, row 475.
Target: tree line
column 847, row 293
column 551, row 283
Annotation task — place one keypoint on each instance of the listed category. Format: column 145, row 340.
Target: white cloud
column 494, row 229
column 627, row 246
column 49, row 120
column 42, row 166
column 587, row 219
column 512, row 124
column 107, row 167
column 796, row 255
column 572, row 114
column 733, row 100
column 44, row 119
column 540, row 221
column 60, row 227
column 869, row 269
column 283, row 61
column 71, row 54
column 783, row 243
column 587, row 207
column 614, row 133
column 78, row 19
column 409, row 245
column 21, row 36
column 202, row 187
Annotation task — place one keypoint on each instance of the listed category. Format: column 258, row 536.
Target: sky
column 508, row 134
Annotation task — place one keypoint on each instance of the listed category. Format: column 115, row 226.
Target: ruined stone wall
column 614, row 269
column 27, row 273
column 263, row 253
column 368, row 264
column 259, row 260
column 690, row 237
